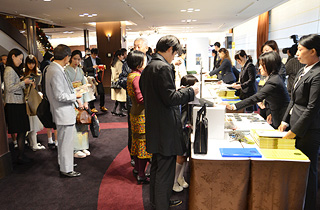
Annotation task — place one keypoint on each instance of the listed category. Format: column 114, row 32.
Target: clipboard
column 240, row 152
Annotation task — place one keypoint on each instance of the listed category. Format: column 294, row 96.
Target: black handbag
column 43, row 110
column 95, row 125
column 115, row 85
column 200, row 144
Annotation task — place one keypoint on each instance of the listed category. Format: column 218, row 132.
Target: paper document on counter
column 271, row 133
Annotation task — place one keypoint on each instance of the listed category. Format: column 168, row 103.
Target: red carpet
column 119, row 189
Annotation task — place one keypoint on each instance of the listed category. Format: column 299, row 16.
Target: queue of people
column 158, row 108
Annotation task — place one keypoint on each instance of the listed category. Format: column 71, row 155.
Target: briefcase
column 200, row 144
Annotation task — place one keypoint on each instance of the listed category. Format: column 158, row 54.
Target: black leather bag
column 43, row 110
column 200, row 144
column 95, row 125
column 115, row 85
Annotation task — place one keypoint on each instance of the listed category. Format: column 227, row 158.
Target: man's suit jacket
column 305, row 102
column 88, row 66
column 60, row 94
column 162, row 100
column 247, row 79
column 226, row 72
column 276, row 96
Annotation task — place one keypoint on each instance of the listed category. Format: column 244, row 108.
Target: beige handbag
column 33, row 99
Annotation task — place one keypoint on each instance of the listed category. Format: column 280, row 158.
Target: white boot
column 177, row 187
column 33, row 141
column 180, row 178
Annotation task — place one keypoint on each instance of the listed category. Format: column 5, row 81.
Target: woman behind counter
column 247, row 78
column 76, row 76
column 15, row 105
column 303, row 112
column 224, row 71
column 137, row 62
column 274, row 92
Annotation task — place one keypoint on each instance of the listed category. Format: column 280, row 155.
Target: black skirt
column 17, row 118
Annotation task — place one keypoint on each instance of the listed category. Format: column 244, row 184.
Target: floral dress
column 137, row 117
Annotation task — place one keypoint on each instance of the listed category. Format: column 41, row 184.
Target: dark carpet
column 37, row 185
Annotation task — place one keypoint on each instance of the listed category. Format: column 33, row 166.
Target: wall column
column 31, row 36
column 86, row 38
column 108, row 41
column 5, row 155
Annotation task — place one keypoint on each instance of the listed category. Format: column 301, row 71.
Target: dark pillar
column 5, row 156
column 86, row 38
column 31, row 36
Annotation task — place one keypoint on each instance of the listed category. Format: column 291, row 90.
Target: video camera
column 293, row 49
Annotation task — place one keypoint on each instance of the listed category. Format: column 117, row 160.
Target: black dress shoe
column 135, row 172
column 132, row 163
column 69, row 174
column 114, row 113
column 175, row 203
column 122, row 115
column 51, row 145
column 144, row 180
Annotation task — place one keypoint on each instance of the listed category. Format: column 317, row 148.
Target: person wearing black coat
column 163, row 120
column 274, row 92
column 246, row 86
column 303, row 112
column 90, row 67
column 224, row 71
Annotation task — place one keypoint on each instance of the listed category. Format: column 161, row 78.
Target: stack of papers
column 271, row 139
column 283, row 154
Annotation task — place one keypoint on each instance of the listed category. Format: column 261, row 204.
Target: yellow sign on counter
column 287, row 154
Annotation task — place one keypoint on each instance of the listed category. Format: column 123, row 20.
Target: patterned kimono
column 137, row 117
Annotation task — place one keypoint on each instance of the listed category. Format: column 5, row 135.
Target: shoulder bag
column 33, row 99
column 43, row 110
column 200, row 144
column 83, row 117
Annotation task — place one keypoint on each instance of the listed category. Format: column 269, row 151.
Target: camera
column 293, row 49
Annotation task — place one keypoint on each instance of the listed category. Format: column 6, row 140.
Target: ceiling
column 148, row 16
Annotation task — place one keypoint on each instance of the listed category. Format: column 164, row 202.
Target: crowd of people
column 153, row 91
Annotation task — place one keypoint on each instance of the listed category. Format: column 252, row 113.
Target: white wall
column 245, row 37
column 198, row 46
column 299, row 17
column 7, row 43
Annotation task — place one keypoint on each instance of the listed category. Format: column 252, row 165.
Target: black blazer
column 225, row 70
column 87, row 66
column 305, row 102
column 276, row 99
column 247, row 79
column 162, row 100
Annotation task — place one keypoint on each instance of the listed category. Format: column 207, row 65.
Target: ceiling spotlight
column 90, row 16
column 183, row 10
column 94, row 15
column 190, row 9
column 197, row 10
column 194, row 20
column 81, row 15
column 85, row 14
column 189, row 21
column 183, row 21
column 46, row 0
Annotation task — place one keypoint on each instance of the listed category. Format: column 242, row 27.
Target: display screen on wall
column 198, row 58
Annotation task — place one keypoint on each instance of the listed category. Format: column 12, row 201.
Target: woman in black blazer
column 274, row 92
column 303, row 113
column 246, row 85
column 224, row 71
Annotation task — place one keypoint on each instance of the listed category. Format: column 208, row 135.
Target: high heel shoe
column 144, row 180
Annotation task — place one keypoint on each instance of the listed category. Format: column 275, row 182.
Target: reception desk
column 217, row 182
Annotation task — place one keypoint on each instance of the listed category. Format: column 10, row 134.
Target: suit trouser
column 309, row 145
column 161, row 180
column 65, row 147
column 101, row 94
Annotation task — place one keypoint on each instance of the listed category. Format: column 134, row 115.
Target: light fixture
column 190, row 9
column 81, row 15
column 194, row 20
column 134, row 9
column 183, row 10
column 86, row 14
column 197, row 10
column 183, row 21
column 90, row 16
column 94, row 15
column 108, row 37
column 46, row 0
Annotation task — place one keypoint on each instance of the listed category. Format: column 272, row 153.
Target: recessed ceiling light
column 81, row 15
column 188, row 21
column 197, row 10
column 190, row 9
column 183, row 21
column 46, row 0
column 85, row 14
column 183, row 10
column 90, row 16
column 94, row 15
column 194, row 20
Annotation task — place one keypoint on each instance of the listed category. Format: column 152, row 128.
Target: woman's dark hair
column 168, row 41
column 271, row 43
column 31, row 59
column 226, row 52
column 271, row 61
column 74, row 53
column 188, row 80
column 115, row 57
column 48, row 55
column 242, row 53
column 311, row 41
column 61, row 51
column 135, row 59
column 16, row 52
column 214, row 51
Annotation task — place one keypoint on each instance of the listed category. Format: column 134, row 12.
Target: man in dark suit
column 90, row 66
column 163, row 120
